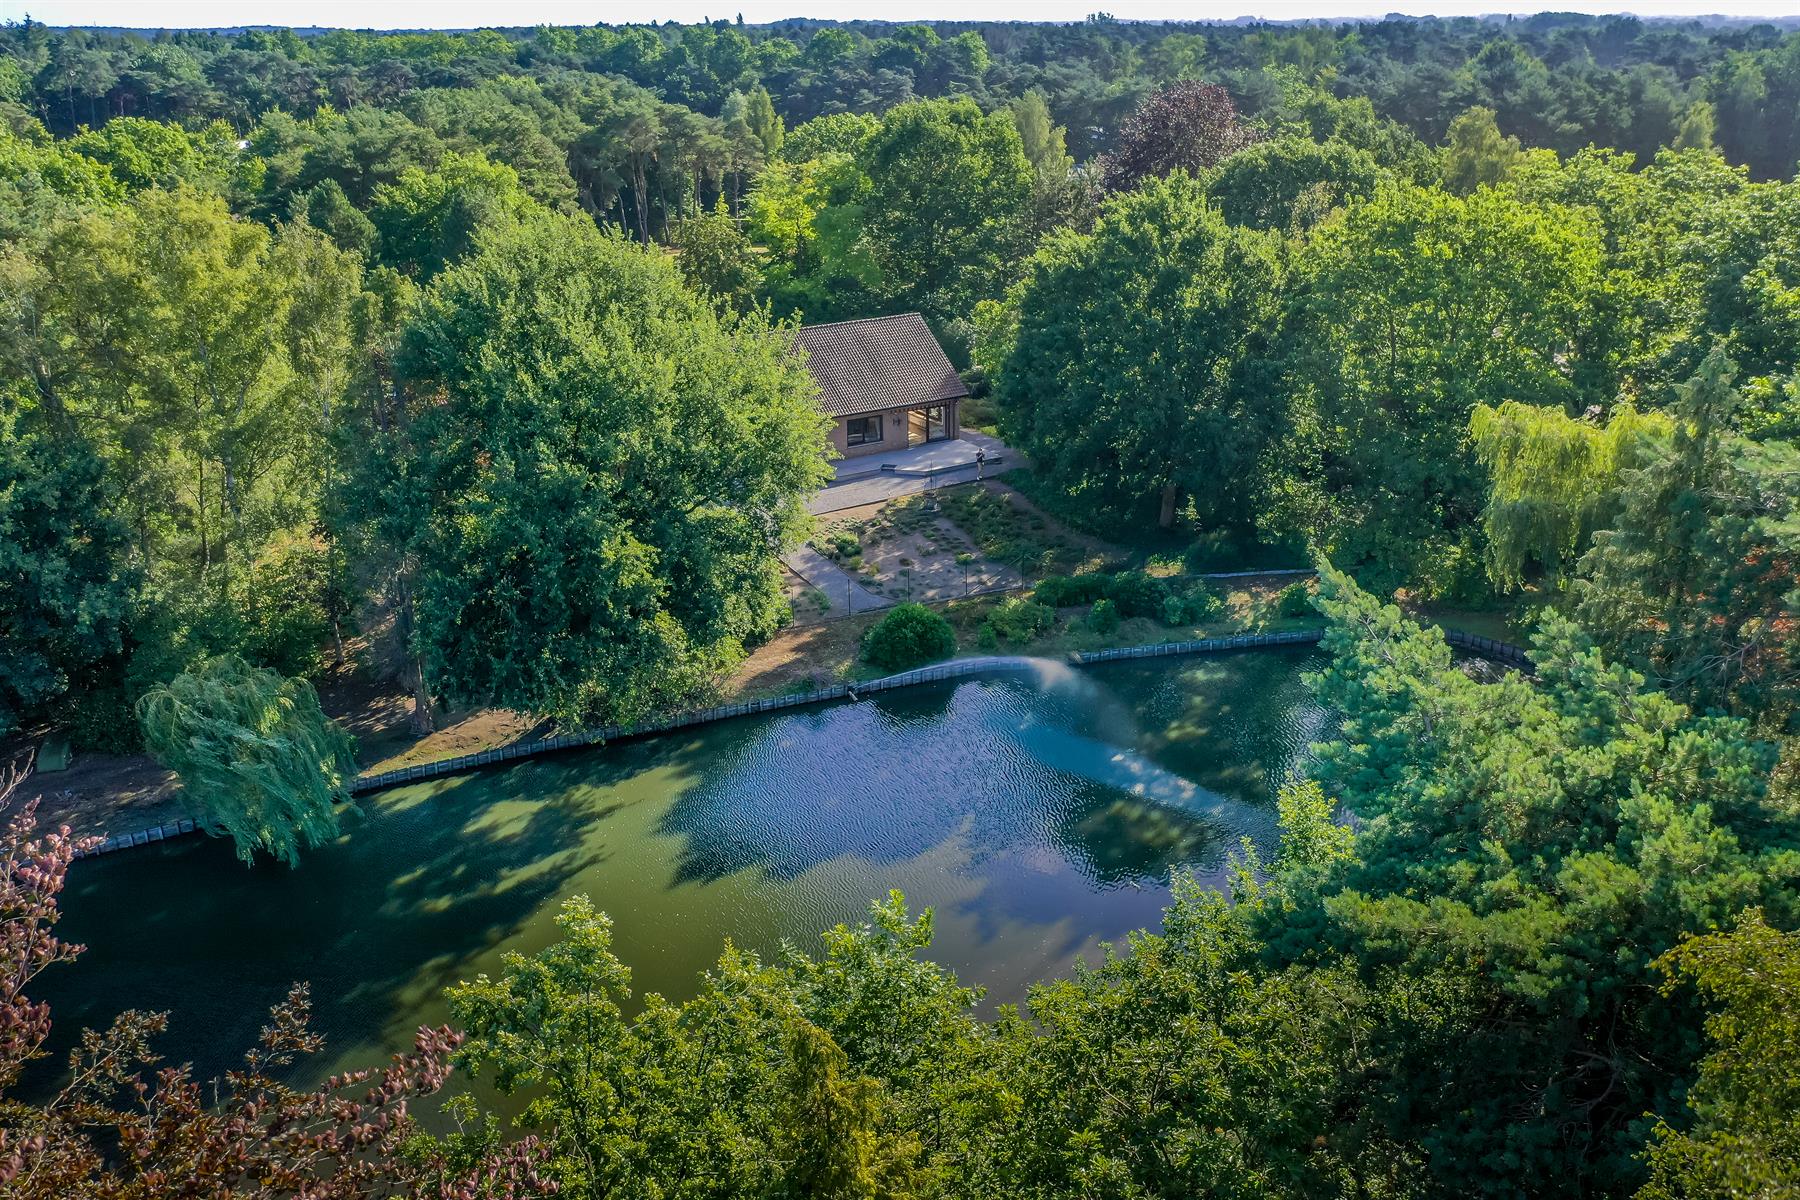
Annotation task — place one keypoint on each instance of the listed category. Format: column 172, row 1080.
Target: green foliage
column 715, row 259
column 909, row 635
column 1191, row 604
column 584, row 576
column 1311, row 838
column 843, row 544
column 1061, row 591
column 203, row 360
column 1019, row 620
column 1103, row 617
column 1294, row 600
column 1291, row 183
column 1477, row 154
column 427, row 220
column 1693, row 583
column 1136, row 594
column 1130, row 366
column 1413, row 309
column 1745, row 1139
column 257, row 759
column 943, row 178
column 775, row 1080
column 1552, row 481
column 1533, row 846
column 66, row 555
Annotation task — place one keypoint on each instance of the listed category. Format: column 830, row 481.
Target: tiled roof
column 881, row 362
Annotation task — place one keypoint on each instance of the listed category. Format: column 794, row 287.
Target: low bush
column 1213, row 550
column 1019, row 620
column 1294, row 600
column 1191, row 605
column 842, row 543
column 1103, row 617
column 1061, row 591
column 909, row 636
column 1137, row 594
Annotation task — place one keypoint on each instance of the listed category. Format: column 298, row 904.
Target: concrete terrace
column 877, row 477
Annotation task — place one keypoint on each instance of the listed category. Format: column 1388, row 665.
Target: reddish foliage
column 1186, row 126
column 112, row 1132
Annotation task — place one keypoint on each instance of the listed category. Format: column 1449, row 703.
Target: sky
column 455, row 14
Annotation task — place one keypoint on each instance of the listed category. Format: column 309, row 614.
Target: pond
column 1039, row 813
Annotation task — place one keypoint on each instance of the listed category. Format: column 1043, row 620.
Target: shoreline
column 1505, row 653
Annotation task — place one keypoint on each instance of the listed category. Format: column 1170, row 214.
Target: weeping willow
column 258, row 759
column 1552, row 480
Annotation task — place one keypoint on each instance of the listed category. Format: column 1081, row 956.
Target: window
column 860, row 431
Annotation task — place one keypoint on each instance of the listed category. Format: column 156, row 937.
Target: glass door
column 936, row 425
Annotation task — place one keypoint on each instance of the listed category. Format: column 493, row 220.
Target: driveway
column 880, row 477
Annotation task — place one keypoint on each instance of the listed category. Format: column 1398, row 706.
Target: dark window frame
column 853, row 438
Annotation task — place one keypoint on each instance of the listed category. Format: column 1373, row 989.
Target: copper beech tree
column 124, row 1127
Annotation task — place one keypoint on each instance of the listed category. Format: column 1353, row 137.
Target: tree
column 427, row 220
column 595, row 480
column 714, row 258
column 1404, row 315
column 944, row 180
column 257, row 758
column 1131, row 376
column 1745, row 1140
column 1552, row 481
column 836, row 133
column 1697, row 128
column 1291, row 183
column 765, row 123
column 201, row 357
column 69, row 557
column 734, row 1092
column 1525, row 850
column 1477, row 154
column 328, row 210
column 1187, row 126
column 1693, row 583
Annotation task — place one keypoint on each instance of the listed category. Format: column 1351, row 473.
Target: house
column 885, row 382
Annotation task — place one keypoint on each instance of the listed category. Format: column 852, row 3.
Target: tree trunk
column 1167, row 519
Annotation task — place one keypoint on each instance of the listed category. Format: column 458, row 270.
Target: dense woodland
column 474, row 351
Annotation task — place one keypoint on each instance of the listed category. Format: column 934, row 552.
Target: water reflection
column 1039, row 814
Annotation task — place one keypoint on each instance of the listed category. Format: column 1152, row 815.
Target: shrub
column 1211, row 551
column 1019, row 620
column 841, row 544
column 986, row 638
column 1103, row 617
column 1295, row 600
column 909, row 635
column 1137, row 594
column 1061, row 591
column 1192, row 605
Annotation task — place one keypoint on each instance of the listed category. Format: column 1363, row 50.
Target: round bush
column 1192, row 605
column 1295, row 600
column 908, row 636
column 1103, row 617
column 1019, row 620
column 1137, row 594
column 1061, row 591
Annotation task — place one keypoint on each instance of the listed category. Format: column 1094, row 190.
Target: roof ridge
column 866, row 320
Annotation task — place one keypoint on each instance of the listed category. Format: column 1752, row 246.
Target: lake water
column 1039, row 814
